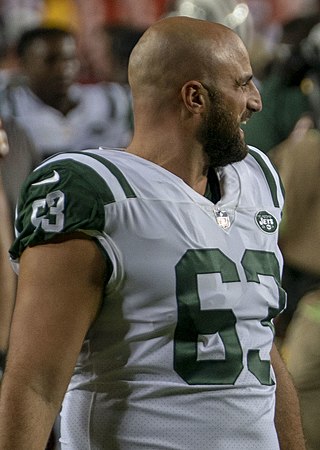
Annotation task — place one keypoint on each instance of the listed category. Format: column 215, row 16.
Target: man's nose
column 254, row 100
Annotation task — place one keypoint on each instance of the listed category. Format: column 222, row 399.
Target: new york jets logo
column 266, row 221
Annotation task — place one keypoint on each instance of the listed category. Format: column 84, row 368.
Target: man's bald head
column 192, row 88
column 177, row 49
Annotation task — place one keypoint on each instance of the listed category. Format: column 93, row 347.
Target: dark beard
column 220, row 136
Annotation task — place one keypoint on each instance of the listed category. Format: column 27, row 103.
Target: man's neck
column 185, row 164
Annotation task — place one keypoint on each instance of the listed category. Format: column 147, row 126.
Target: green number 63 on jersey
column 192, row 321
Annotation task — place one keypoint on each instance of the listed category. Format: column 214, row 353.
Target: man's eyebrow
column 245, row 78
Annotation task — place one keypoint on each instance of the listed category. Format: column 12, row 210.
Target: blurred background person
column 58, row 113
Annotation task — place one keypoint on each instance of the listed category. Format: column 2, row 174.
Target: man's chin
column 237, row 156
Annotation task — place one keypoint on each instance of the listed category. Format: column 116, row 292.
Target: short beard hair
column 219, row 134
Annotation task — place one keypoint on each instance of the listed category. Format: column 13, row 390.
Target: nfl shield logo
column 223, row 219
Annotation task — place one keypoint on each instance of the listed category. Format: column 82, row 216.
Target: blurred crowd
column 64, row 87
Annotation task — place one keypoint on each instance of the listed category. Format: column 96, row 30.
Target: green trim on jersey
column 89, row 174
column 65, row 194
column 127, row 189
column 269, row 177
column 83, row 158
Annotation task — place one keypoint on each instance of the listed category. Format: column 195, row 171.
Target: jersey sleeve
column 59, row 197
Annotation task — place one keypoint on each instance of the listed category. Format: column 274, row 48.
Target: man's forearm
column 26, row 417
column 287, row 416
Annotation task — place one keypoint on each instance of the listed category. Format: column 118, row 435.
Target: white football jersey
column 179, row 355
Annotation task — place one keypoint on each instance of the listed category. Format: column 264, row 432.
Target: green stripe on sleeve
column 269, row 177
column 127, row 189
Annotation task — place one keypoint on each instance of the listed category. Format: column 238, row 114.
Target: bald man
column 149, row 277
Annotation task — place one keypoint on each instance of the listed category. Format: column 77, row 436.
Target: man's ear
column 193, row 97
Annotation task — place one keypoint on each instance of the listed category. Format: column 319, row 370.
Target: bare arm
column 287, row 417
column 59, row 293
column 7, row 275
